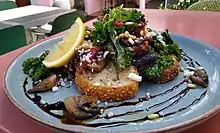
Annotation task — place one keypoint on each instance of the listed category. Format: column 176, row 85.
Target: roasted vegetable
column 145, row 59
column 45, row 85
column 200, row 77
column 81, row 107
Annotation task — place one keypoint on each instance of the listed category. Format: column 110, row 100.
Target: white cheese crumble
column 188, row 73
column 200, row 68
column 55, row 89
column 191, row 68
column 135, row 77
column 110, row 114
column 96, row 84
column 98, row 101
column 105, row 54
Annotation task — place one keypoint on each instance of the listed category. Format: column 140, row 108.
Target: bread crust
column 106, row 92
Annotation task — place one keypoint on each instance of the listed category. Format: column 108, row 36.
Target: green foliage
column 163, row 62
column 35, row 68
column 179, row 4
column 119, row 13
column 123, row 59
column 163, row 52
column 99, row 33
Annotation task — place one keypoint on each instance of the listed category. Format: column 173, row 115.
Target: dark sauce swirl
column 37, row 99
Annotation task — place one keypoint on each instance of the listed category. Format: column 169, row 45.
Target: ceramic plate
column 181, row 109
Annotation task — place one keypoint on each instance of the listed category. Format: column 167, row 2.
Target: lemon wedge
column 65, row 50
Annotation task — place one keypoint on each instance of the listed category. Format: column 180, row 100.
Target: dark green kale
column 123, row 56
column 157, row 68
column 119, row 13
column 34, row 67
column 99, row 33
column 172, row 47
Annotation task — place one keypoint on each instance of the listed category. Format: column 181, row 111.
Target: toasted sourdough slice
column 107, row 85
column 168, row 74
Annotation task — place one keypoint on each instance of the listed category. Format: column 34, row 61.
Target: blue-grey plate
column 199, row 107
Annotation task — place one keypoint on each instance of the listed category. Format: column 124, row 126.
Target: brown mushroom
column 81, row 107
column 45, row 85
column 200, row 77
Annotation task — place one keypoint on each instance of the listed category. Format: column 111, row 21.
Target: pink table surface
column 202, row 26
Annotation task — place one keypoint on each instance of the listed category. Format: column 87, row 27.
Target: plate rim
column 199, row 119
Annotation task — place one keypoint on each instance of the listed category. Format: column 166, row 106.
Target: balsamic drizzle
column 37, row 99
column 142, row 99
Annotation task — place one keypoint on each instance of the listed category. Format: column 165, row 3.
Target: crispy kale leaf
column 172, row 47
column 99, row 33
column 34, row 67
column 160, row 64
column 123, row 59
column 119, row 13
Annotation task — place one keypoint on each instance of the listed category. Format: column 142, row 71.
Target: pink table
column 203, row 26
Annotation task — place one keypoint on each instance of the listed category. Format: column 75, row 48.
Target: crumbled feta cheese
column 87, row 58
column 62, row 83
column 55, row 89
column 89, row 55
column 188, row 73
column 135, row 77
column 200, row 68
column 110, row 114
column 96, row 84
column 105, row 54
column 191, row 68
column 98, row 101
column 148, row 95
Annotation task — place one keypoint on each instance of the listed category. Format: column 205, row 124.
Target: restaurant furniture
column 4, row 5
column 12, row 38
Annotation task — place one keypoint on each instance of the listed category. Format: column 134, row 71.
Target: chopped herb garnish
column 35, row 68
column 159, row 65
